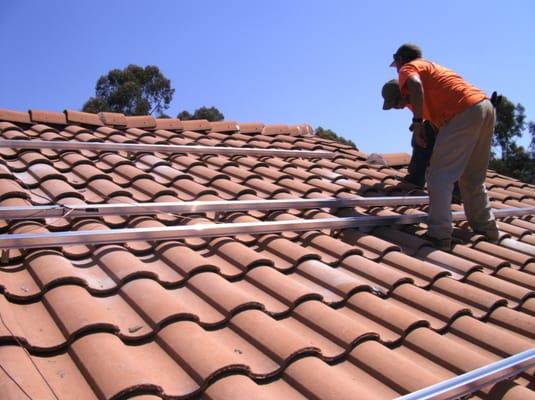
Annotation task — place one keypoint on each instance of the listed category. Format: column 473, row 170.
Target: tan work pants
column 461, row 152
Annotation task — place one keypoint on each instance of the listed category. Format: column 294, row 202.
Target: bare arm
column 416, row 94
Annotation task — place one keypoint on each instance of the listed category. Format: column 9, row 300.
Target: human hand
column 419, row 135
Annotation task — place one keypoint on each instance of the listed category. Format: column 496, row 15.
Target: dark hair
column 408, row 52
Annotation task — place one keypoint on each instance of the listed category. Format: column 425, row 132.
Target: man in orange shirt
column 465, row 118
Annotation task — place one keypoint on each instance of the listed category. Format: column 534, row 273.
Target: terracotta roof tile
column 12, row 134
column 43, row 172
column 140, row 121
column 15, row 116
column 170, row 174
column 236, row 385
column 137, row 133
column 479, row 301
column 319, row 314
column 232, row 190
column 41, row 129
column 234, row 143
column 273, row 130
column 224, row 126
column 310, row 372
column 113, row 119
column 78, row 117
column 104, row 367
column 59, row 372
column 196, row 125
column 107, row 189
column 266, row 188
column 389, row 159
column 295, row 185
column 379, row 275
column 251, row 127
column 170, row 124
column 520, row 278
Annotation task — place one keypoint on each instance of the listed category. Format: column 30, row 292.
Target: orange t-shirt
column 446, row 94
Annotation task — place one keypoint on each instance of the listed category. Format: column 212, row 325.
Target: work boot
column 491, row 235
column 411, row 179
column 439, row 244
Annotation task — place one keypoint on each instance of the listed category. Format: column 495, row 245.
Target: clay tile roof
column 172, row 124
column 389, row 159
column 322, row 314
column 15, row 116
column 305, row 129
column 224, row 126
column 48, row 117
column 251, row 127
column 300, row 130
column 196, row 125
column 113, row 119
column 141, row 121
column 79, row 117
column 271, row 130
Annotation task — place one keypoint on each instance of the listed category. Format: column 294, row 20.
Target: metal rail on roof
column 501, row 213
column 93, row 210
column 57, row 239
column 473, row 381
column 161, row 148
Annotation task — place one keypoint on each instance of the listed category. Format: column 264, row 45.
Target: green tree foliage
column 515, row 161
column 184, row 115
column 329, row 134
column 210, row 114
column 519, row 164
column 531, row 127
column 133, row 90
column 510, row 122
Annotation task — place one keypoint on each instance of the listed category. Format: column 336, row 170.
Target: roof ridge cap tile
column 276, row 129
column 140, row 121
column 113, row 119
column 49, row 117
column 169, row 124
column 15, row 116
column 196, row 125
column 82, row 117
column 250, row 127
column 224, row 126
column 397, row 159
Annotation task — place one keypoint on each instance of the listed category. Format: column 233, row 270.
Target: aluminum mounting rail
column 161, row 148
column 188, row 207
column 498, row 213
column 473, row 381
column 58, row 239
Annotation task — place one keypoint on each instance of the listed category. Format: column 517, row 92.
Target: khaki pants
column 461, row 152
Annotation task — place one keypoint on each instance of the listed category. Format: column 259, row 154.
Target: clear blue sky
column 274, row 61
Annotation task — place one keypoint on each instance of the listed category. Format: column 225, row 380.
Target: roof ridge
column 120, row 120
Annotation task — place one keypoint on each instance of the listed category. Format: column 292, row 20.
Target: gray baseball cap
column 391, row 94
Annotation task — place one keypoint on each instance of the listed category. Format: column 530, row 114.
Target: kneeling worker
column 421, row 155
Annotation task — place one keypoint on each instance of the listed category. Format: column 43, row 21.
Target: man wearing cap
column 465, row 120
